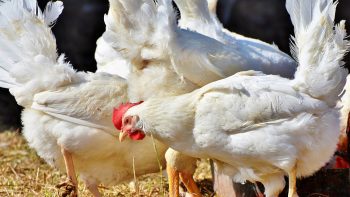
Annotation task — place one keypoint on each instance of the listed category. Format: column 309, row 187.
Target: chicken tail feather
column 139, row 30
column 29, row 61
column 319, row 47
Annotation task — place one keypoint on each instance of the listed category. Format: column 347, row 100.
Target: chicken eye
column 127, row 120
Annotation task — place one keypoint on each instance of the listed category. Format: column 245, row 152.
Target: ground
column 23, row 173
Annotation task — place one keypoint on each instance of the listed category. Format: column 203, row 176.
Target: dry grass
column 23, row 173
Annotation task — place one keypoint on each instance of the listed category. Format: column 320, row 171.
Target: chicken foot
column 292, row 178
column 174, row 181
column 71, row 185
column 190, row 184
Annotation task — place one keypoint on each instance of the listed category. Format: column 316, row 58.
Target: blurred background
column 82, row 23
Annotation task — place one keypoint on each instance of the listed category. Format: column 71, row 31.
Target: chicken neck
column 168, row 119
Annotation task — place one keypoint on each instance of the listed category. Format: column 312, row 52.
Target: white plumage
column 66, row 112
column 108, row 59
column 261, row 127
column 158, row 47
column 196, row 16
column 167, row 60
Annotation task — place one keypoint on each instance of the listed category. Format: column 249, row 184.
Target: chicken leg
column 174, row 181
column 182, row 165
column 71, row 185
column 190, row 184
column 292, row 176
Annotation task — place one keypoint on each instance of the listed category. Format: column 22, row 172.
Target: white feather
column 260, row 127
column 52, row 11
column 32, row 7
column 319, row 47
column 28, row 51
column 196, row 16
column 109, row 60
column 62, row 107
column 201, row 59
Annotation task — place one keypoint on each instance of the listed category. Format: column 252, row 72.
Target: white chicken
column 196, row 16
column 167, row 60
column 261, row 127
column 157, row 45
column 67, row 114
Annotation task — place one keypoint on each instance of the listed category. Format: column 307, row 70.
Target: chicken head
column 129, row 125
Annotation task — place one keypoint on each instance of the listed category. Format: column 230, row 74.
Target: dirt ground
column 23, row 173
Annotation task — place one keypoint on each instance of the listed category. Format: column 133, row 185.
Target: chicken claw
column 71, row 185
column 190, row 184
column 69, row 189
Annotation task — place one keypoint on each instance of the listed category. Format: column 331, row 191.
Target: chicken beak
column 122, row 135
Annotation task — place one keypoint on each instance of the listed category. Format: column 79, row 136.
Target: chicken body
column 167, row 60
column 199, row 16
column 261, row 127
column 286, row 130
column 67, row 114
column 78, row 118
column 196, row 16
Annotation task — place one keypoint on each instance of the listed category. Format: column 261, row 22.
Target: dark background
column 82, row 23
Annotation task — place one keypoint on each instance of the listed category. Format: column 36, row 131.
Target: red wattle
column 137, row 136
column 119, row 112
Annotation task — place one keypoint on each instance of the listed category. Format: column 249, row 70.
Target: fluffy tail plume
column 319, row 46
column 136, row 29
column 28, row 59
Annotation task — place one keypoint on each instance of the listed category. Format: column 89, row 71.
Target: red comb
column 119, row 112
